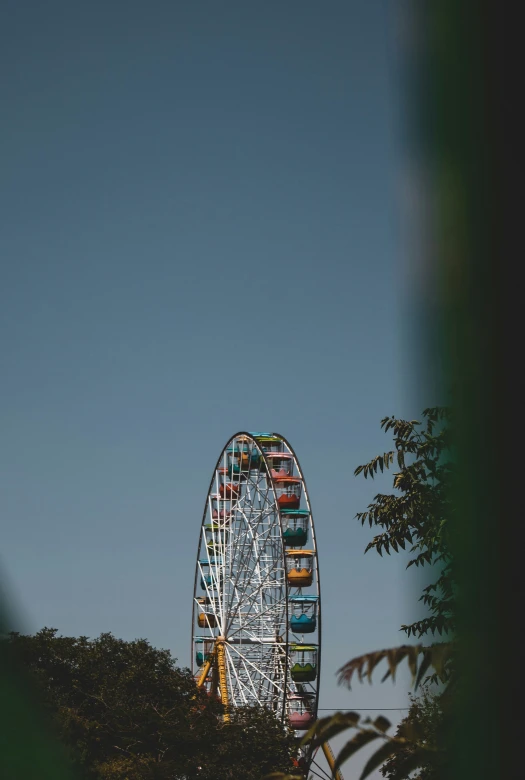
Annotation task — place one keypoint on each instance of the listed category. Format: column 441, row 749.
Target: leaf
column 440, row 655
column 373, row 660
column 381, row 723
column 392, row 665
column 425, row 663
column 335, row 725
column 380, row 756
column 393, row 655
column 317, row 727
column 358, row 741
column 412, row 657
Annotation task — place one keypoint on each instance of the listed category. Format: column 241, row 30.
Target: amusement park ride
column 256, row 623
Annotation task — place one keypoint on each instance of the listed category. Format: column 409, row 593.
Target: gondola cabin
column 243, row 457
column 303, row 617
column 295, row 527
column 280, row 463
column 303, row 663
column 216, row 539
column 205, row 619
column 268, row 443
column 203, row 649
column 216, row 528
column 216, row 546
column 301, row 710
column 216, row 532
column 299, row 568
column 207, row 578
column 288, row 492
column 200, row 655
column 219, row 514
column 229, row 490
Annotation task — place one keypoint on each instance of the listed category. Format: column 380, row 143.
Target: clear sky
column 200, row 235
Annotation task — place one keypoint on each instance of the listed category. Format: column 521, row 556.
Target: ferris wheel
column 256, row 622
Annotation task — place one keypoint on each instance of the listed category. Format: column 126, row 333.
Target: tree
column 426, row 718
column 418, row 514
column 250, row 746
column 416, row 517
column 126, row 712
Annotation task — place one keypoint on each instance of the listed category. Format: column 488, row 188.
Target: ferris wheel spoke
column 324, row 774
column 255, row 495
column 249, row 571
column 257, row 669
column 242, row 685
column 252, row 583
column 248, row 541
column 212, row 599
column 255, row 584
column 214, row 570
column 260, row 594
column 239, row 686
column 254, row 596
column 277, row 608
column 247, row 508
column 247, row 538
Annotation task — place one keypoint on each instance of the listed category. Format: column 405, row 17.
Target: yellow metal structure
column 327, row 750
column 217, row 660
column 223, row 684
column 205, row 669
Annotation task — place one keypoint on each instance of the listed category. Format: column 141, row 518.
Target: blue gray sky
column 200, row 235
